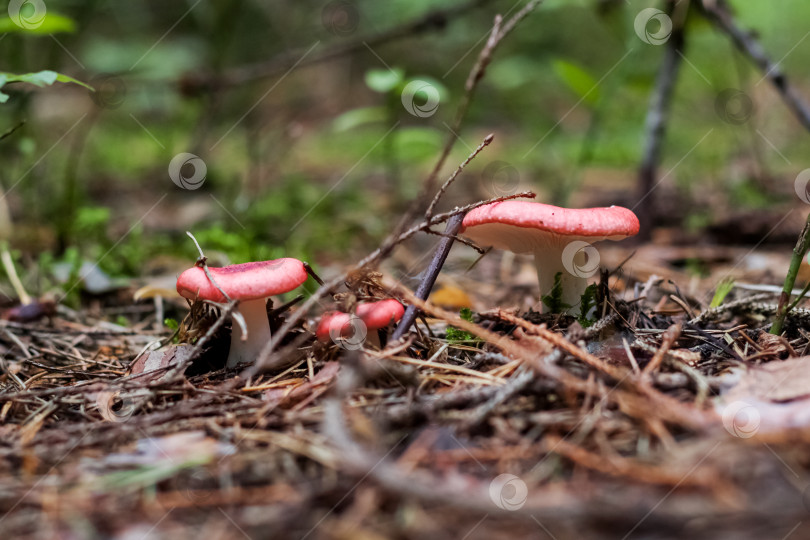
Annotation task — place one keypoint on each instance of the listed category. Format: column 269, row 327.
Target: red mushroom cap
column 499, row 224
column 375, row 315
column 378, row 315
column 247, row 281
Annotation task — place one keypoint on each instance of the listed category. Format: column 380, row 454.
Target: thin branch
column 429, row 213
column 656, row 123
column 435, row 266
column 477, row 73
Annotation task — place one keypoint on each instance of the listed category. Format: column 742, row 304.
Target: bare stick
column 497, row 35
column 656, row 123
column 429, row 213
column 202, row 263
column 431, row 274
column 202, row 255
column 312, row 274
column 8, row 264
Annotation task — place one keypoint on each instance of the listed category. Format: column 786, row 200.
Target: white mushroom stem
column 549, row 261
column 247, row 348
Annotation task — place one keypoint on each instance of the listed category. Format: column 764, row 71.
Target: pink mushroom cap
column 521, row 225
column 247, row 281
column 375, row 315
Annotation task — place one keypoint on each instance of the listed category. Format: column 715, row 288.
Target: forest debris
column 615, row 465
column 771, row 398
column 778, row 381
column 669, row 338
column 678, row 356
column 287, row 396
column 773, row 345
column 181, row 447
column 162, row 358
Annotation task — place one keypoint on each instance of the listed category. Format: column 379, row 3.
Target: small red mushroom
column 251, row 283
column 559, row 238
column 373, row 315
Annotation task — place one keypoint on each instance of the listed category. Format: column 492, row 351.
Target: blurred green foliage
column 318, row 162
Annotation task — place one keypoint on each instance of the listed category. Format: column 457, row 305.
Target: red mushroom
column 251, row 283
column 559, row 238
column 373, row 315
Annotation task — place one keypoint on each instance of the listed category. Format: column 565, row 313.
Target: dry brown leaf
column 768, row 398
column 152, row 360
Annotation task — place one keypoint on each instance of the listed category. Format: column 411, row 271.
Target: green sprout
column 455, row 335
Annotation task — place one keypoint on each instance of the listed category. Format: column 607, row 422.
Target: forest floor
column 663, row 418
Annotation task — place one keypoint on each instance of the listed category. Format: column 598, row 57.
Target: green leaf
column 553, row 300
column 578, row 80
column 416, row 144
column 39, row 78
column 62, row 78
column 51, row 23
column 723, row 288
column 358, row 117
column 444, row 93
column 384, row 80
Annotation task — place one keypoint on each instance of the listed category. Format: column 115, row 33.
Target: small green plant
column 587, row 302
column 799, row 251
column 171, row 324
column 174, row 326
column 455, row 335
column 553, row 300
column 723, row 288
